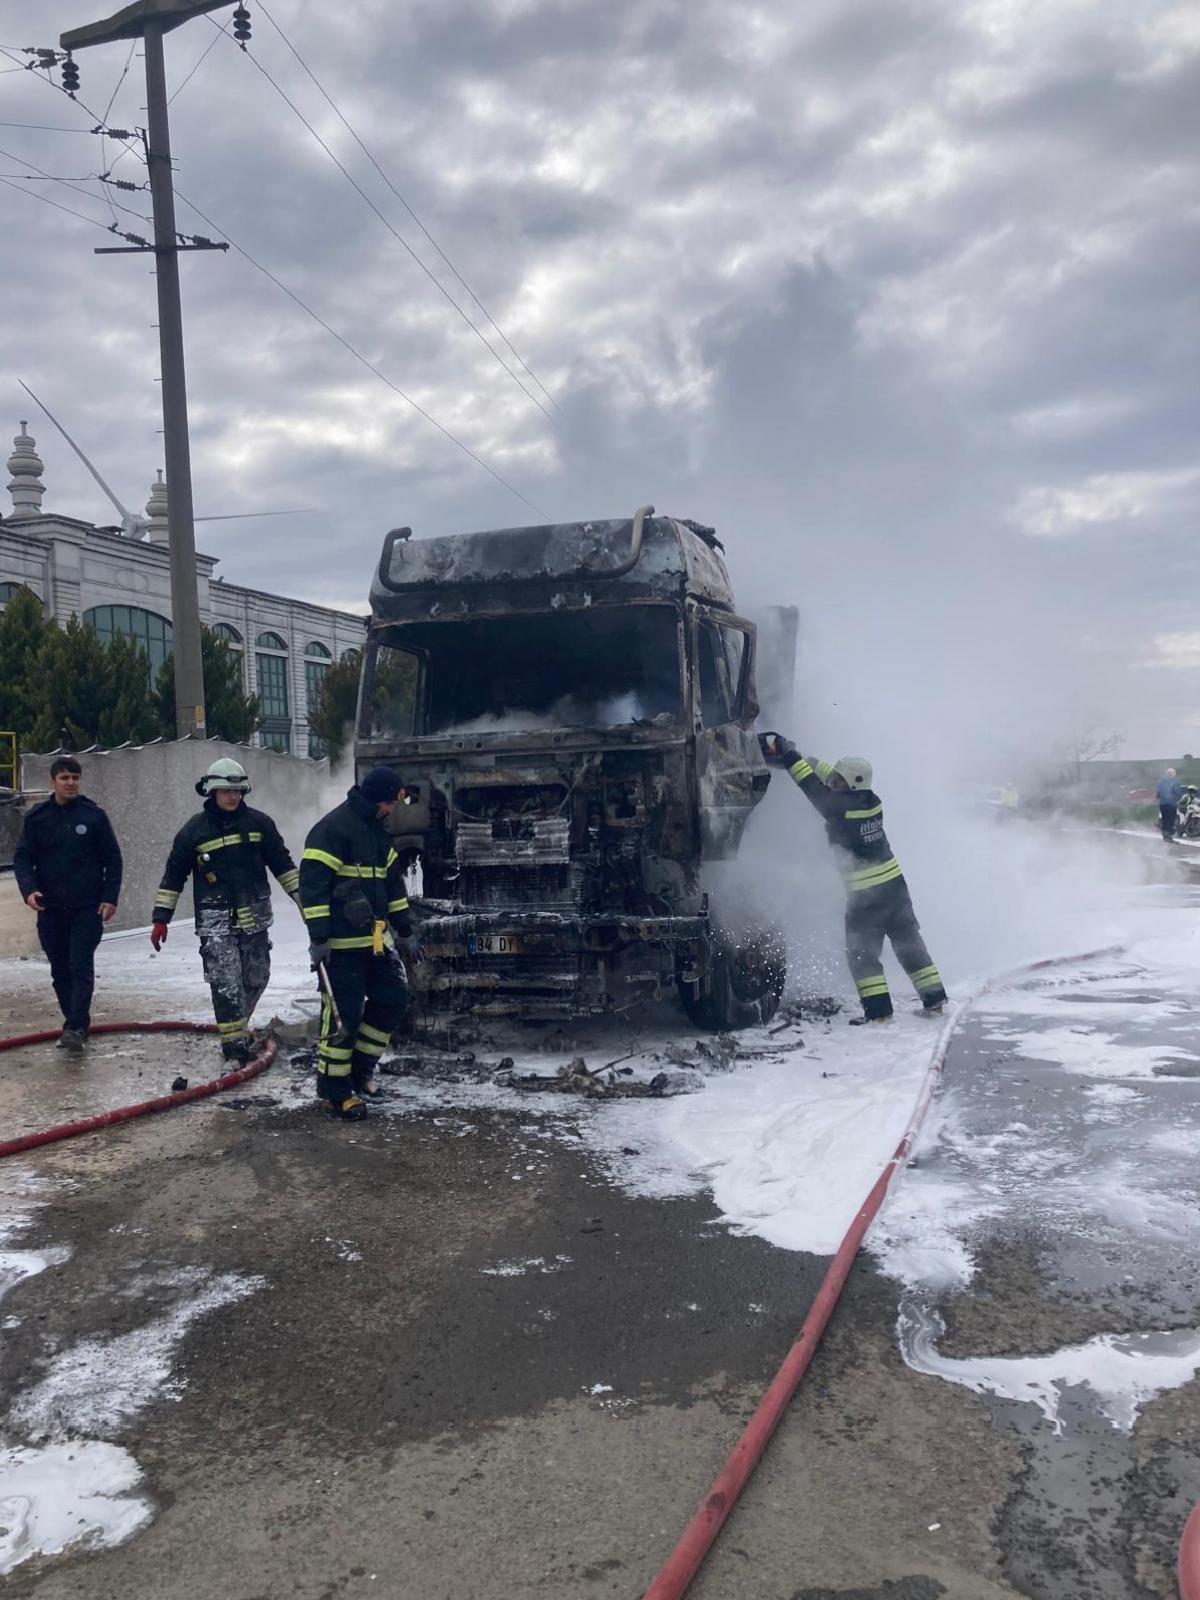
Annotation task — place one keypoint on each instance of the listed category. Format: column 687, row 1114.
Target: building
column 121, row 583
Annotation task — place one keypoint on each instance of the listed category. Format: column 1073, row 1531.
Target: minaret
column 156, row 510
column 25, row 485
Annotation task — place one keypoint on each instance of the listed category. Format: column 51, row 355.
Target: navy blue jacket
column 70, row 854
column 1170, row 791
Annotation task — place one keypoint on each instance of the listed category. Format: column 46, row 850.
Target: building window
column 352, row 656
column 150, row 630
column 317, row 661
column 8, row 590
column 273, row 687
column 276, row 739
column 222, row 630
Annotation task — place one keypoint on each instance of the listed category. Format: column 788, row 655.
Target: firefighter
column 353, row 898
column 878, row 904
column 227, row 848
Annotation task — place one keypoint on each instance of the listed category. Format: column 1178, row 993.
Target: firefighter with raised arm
column 352, row 894
column 878, row 904
column 227, row 849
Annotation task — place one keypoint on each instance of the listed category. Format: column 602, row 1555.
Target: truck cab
column 571, row 707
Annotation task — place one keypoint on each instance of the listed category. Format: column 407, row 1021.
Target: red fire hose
column 1189, row 1558
column 699, row 1536
column 164, row 1102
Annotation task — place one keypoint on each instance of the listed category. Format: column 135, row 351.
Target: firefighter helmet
column 224, row 773
column 856, row 770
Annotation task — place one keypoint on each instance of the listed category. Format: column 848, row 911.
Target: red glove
column 158, row 935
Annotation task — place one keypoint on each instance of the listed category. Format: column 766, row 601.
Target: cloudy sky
column 902, row 296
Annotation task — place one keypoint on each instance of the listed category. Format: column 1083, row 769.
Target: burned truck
column 572, row 708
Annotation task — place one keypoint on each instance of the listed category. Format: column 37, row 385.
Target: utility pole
column 149, row 20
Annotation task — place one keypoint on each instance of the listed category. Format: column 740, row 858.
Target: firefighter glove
column 777, row 749
column 319, row 954
column 158, row 935
column 409, row 946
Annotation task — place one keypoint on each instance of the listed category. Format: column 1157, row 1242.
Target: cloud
column 901, row 298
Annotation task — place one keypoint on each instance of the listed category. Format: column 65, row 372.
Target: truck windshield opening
column 603, row 667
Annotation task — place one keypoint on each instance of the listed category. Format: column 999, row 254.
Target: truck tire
column 744, row 982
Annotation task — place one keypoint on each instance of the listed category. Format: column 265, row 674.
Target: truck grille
column 527, row 887
column 538, row 842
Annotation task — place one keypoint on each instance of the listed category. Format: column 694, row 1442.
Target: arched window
column 8, row 590
column 314, row 647
column 271, row 678
column 317, row 662
column 222, row 630
column 351, row 656
column 150, row 630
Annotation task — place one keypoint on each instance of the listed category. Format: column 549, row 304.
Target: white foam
column 64, row 1495
column 1122, row 1371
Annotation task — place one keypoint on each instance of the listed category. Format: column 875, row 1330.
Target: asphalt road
column 476, row 1369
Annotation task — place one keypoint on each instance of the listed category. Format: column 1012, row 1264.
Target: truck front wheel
column 744, row 981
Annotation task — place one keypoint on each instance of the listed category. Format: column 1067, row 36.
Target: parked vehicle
column 572, row 706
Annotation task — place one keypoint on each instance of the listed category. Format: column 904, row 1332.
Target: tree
column 23, row 631
column 71, row 667
column 332, row 717
column 130, row 712
column 231, row 713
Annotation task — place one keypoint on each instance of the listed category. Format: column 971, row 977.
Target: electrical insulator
column 115, row 133
column 241, row 25
column 70, row 76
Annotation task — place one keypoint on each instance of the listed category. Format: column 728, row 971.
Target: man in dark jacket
column 878, row 904
column 227, row 849
column 1170, row 793
column 353, row 897
column 68, row 869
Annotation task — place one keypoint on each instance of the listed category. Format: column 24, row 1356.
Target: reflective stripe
column 871, row 986
column 398, row 905
column 323, row 856
column 858, row 816
column 168, row 898
column 239, row 1026
column 360, row 941
column 800, row 770
column 824, row 770
column 353, row 870
column 872, row 877
column 392, row 858
column 254, row 838
column 313, row 913
column 366, row 1031
column 334, row 1052
column 927, row 978
column 289, row 881
column 366, row 1048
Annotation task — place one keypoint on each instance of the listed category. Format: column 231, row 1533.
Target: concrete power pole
column 149, row 20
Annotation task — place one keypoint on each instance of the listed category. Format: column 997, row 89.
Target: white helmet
column 856, row 770
column 1170, row 773
column 224, row 773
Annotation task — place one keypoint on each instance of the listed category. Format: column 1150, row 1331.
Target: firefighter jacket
column 853, row 825
column 70, row 854
column 227, row 853
column 351, row 881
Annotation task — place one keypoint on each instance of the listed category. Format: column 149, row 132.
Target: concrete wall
column 149, row 794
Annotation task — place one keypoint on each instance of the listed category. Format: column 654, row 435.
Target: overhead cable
column 337, row 111
column 399, row 237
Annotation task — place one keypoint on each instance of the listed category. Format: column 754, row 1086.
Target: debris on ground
column 247, row 1102
column 599, row 1083
column 179, row 1085
column 441, row 1066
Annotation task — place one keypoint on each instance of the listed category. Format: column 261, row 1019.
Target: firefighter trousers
column 371, row 997
column 873, row 915
column 237, row 968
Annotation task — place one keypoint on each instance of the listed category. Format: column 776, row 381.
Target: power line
column 292, row 295
column 46, row 201
column 399, row 237
column 50, row 83
column 68, row 184
column 358, row 355
column 336, row 109
column 104, row 120
column 40, row 127
column 203, row 57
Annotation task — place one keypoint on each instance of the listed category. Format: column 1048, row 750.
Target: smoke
column 569, row 711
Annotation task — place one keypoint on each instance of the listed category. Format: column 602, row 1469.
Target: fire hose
column 164, row 1102
column 681, row 1566
column 1189, row 1558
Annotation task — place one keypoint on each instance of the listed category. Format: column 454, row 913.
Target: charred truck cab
column 571, row 707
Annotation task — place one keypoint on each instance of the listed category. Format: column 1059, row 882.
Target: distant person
column 353, row 896
column 68, row 869
column 227, row 848
column 1170, row 793
column 878, row 904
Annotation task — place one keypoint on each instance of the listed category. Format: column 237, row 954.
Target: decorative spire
column 26, row 468
column 156, row 510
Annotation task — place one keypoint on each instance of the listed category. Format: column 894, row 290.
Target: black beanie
column 381, row 783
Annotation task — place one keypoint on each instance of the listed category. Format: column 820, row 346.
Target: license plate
column 493, row 944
